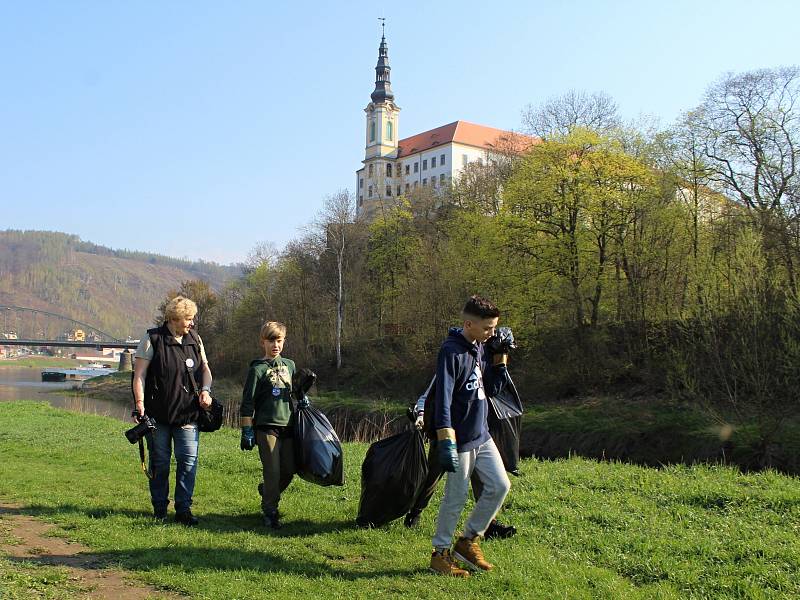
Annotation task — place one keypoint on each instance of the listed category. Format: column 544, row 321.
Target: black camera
column 141, row 429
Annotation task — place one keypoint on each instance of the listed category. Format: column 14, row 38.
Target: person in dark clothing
column 463, row 443
column 496, row 529
column 170, row 367
column 266, row 415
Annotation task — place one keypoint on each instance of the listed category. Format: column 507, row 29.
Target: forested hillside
column 117, row 291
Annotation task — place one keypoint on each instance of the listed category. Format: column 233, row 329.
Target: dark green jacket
column 266, row 394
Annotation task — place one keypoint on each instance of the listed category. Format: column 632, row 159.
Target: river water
column 25, row 383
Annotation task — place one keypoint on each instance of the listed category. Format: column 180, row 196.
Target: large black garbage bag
column 318, row 452
column 392, row 474
column 505, row 433
column 505, row 422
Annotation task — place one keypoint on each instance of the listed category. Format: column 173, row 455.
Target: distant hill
column 116, row 291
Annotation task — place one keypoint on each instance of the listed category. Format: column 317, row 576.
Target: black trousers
column 435, row 473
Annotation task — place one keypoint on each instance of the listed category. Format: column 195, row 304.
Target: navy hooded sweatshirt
column 464, row 379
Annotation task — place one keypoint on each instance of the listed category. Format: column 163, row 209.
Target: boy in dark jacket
column 265, row 417
column 464, row 445
column 496, row 380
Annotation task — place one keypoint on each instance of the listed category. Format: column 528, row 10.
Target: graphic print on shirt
column 475, row 382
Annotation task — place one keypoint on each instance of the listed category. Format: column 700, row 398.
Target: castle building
column 431, row 160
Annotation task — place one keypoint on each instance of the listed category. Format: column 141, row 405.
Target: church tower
column 379, row 178
column 382, row 113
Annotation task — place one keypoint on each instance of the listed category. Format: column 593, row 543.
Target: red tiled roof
column 469, row 134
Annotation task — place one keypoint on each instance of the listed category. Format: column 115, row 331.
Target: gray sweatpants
column 486, row 462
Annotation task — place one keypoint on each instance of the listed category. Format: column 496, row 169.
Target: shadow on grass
column 223, row 523
column 192, row 560
column 200, row 558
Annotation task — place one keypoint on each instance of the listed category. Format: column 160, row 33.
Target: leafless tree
column 750, row 126
column 333, row 229
column 559, row 115
column 263, row 252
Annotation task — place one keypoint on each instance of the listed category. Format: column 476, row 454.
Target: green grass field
column 586, row 529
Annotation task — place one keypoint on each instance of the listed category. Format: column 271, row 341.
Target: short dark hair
column 481, row 308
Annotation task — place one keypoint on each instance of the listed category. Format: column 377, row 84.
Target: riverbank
column 586, row 529
column 39, row 362
column 650, row 431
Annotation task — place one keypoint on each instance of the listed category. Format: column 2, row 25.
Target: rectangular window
column 369, row 192
column 441, row 160
column 361, row 183
column 388, row 190
column 424, row 182
column 425, row 165
column 407, row 186
column 398, row 190
column 416, row 167
column 360, row 200
column 370, row 170
column 441, row 179
column 433, row 163
column 415, row 185
column 464, row 159
column 388, row 169
column 408, row 169
column 433, row 181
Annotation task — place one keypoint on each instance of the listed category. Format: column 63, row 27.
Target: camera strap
column 145, row 468
column 189, row 371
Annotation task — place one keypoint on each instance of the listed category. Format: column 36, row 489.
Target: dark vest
column 168, row 392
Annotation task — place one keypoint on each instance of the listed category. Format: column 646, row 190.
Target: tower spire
column 383, row 85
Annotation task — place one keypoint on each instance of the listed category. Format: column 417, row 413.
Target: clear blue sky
column 200, row 129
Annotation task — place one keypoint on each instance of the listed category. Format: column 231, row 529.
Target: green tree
column 565, row 207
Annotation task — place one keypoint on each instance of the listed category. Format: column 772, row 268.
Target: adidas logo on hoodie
column 475, row 382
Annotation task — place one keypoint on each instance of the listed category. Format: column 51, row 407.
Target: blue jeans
column 159, row 444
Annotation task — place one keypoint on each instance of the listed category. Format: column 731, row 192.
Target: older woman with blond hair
column 171, row 367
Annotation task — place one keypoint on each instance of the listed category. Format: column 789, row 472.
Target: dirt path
column 31, row 543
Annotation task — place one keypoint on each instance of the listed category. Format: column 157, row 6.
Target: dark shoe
column 412, row 518
column 497, row 530
column 272, row 520
column 160, row 515
column 187, row 518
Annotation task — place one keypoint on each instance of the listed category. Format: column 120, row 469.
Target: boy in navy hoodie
column 464, row 445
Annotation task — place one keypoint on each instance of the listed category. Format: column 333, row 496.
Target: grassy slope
column 587, row 529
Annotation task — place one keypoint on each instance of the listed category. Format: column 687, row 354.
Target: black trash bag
column 318, row 452
column 392, row 474
column 505, row 433
column 505, row 423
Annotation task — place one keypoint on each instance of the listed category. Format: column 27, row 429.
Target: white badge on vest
column 189, row 363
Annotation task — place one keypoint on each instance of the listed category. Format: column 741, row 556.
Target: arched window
column 372, row 131
column 389, row 130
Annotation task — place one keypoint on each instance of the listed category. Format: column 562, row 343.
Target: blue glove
column 502, row 341
column 447, row 455
column 248, row 441
column 304, row 402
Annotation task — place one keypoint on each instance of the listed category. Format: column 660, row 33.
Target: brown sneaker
column 443, row 563
column 468, row 551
